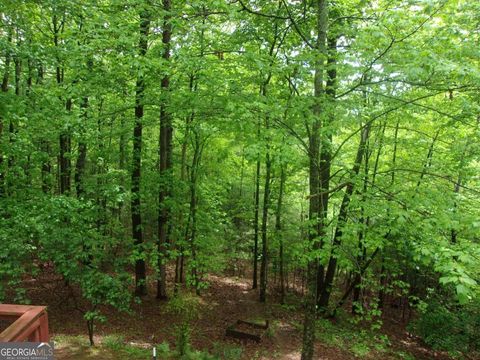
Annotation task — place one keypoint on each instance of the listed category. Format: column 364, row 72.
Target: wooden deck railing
column 30, row 323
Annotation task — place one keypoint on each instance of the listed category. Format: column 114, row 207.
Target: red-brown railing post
column 44, row 336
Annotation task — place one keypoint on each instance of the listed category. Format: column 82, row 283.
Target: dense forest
column 325, row 152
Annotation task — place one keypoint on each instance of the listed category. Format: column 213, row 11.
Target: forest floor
column 226, row 300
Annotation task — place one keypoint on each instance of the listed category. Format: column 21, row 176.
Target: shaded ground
column 74, row 350
column 226, row 300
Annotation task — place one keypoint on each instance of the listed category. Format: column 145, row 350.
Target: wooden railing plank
column 14, row 310
column 27, row 333
column 32, row 323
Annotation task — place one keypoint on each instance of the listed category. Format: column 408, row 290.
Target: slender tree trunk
column 122, row 163
column 266, row 190
column 64, row 158
column 100, row 170
column 266, row 205
column 361, row 258
column 140, row 270
column 242, row 173
column 362, row 234
column 197, row 153
column 316, row 214
column 182, row 266
column 64, row 162
column 342, row 219
column 428, row 161
column 12, row 125
column 5, row 79
column 183, row 178
column 383, row 280
column 459, row 181
column 352, row 284
column 268, row 165
column 263, row 93
column 165, row 159
column 82, row 144
column 278, row 230
column 28, row 91
column 82, row 152
column 362, row 249
column 46, row 167
column 12, row 129
column 46, row 170
column 255, row 220
column 326, row 145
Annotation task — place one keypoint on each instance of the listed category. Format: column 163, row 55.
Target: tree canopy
column 334, row 139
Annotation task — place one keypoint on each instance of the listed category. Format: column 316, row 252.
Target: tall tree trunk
column 459, row 181
column 342, row 219
column 179, row 261
column 275, row 44
column 82, row 152
column 316, row 213
column 266, row 205
column 428, row 161
column 266, row 190
column 5, row 79
column 382, row 277
column 46, row 167
column 30, row 62
column 362, row 249
column 365, row 221
column 64, row 162
column 137, row 231
column 326, row 145
column 82, row 144
column 46, row 170
column 12, row 128
column 165, row 159
column 352, row 284
column 255, row 219
column 278, row 230
column 122, row 163
column 197, row 153
column 64, row 157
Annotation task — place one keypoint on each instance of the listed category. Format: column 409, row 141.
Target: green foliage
column 117, row 344
column 182, row 344
column 226, row 352
column 352, row 338
column 451, row 328
column 185, row 305
column 370, row 315
column 111, row 347
column 186, row 308
column 247, row 81
column 62, row 231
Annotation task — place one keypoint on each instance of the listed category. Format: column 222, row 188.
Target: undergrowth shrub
column 451, row 328
column 186, row 308
column 61, row 232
